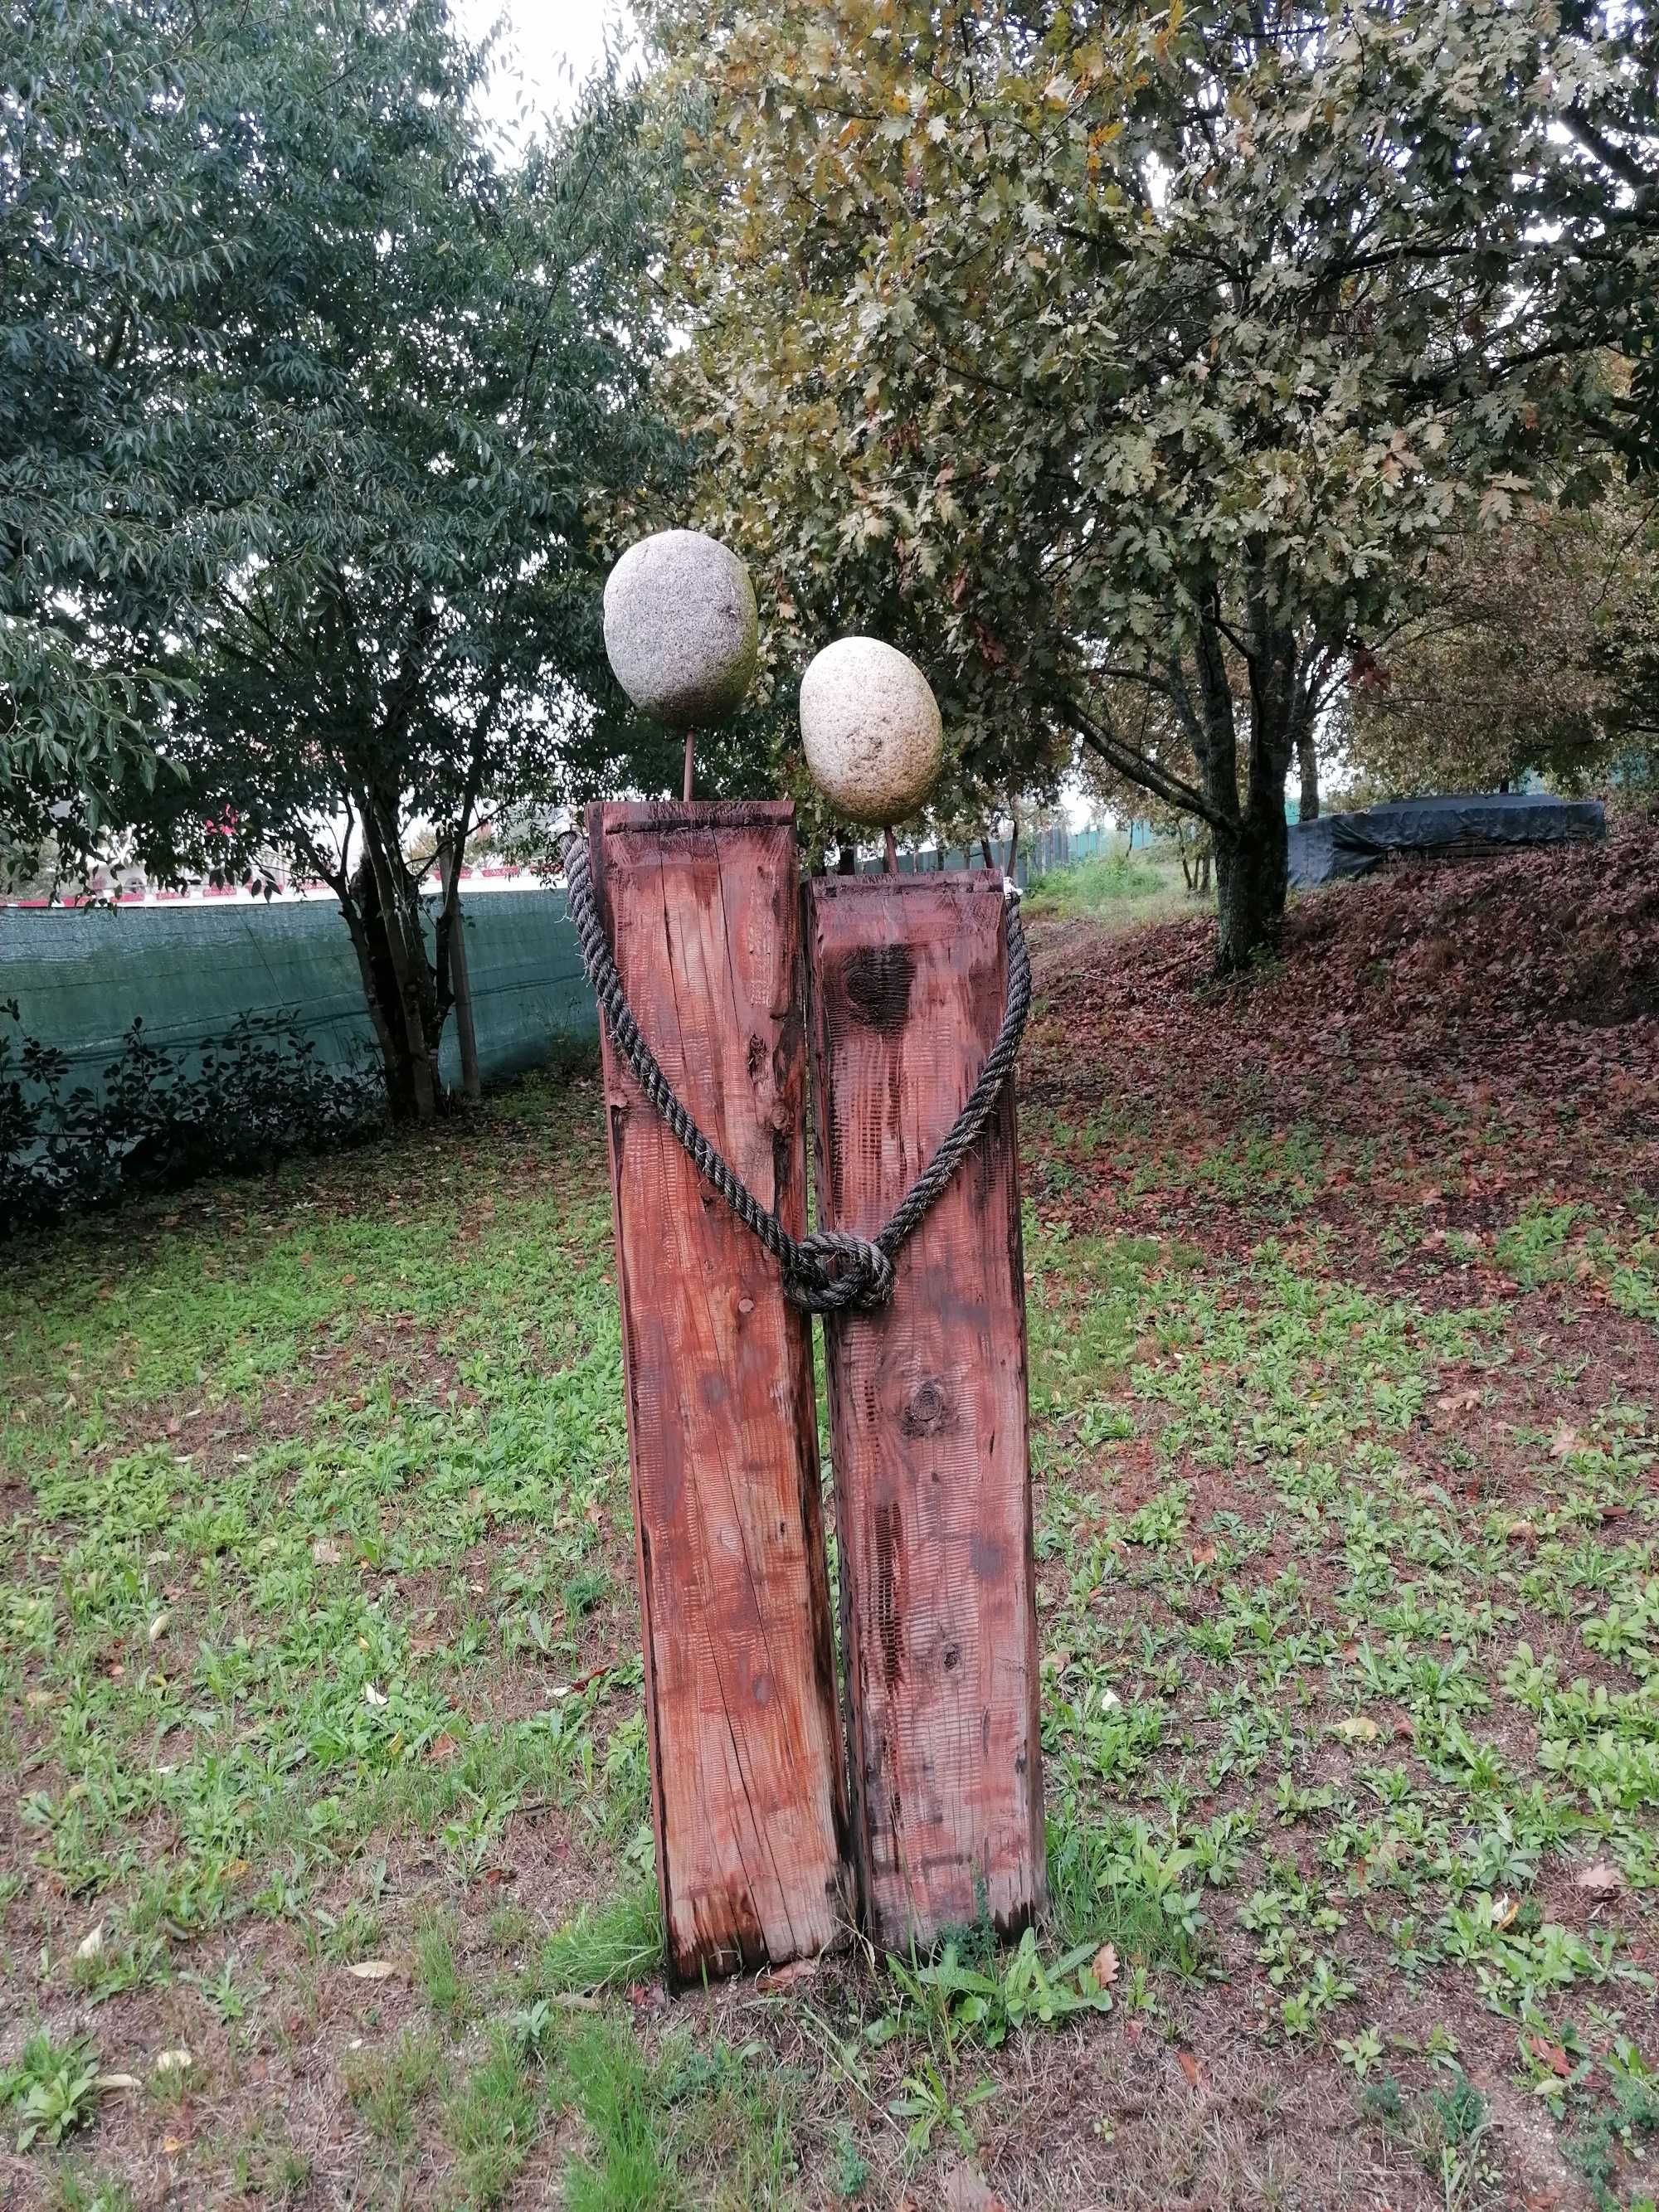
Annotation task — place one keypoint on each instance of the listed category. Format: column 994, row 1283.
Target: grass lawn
column 327, row 1858
column 1116, row 888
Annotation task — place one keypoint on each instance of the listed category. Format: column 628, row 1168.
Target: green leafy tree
column 1632, row 652
column 1526, row 659
column 405, row 409
column 1094, row 353
column 120, row 150
column 420, row 641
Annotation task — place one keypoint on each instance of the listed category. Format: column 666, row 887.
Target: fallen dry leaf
column 1551, row 2055
column 1104, row 1967
column 326, row 1553
column 1565, row 1441
column 91, row 1943
column 1190, row 2067
column 966, row 2190
column 780, row 1977
column 1599, row 1879
column 372, row 1970
column 1357, row 1729
column 174, row 2062
column 117, row 2082
column 1457, row 1401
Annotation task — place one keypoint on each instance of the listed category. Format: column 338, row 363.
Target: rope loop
column 834, row 1270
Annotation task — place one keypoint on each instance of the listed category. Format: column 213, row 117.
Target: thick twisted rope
column 832, row 1269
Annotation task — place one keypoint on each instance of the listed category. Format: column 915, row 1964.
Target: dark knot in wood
column 876, row 981
column 926, row 1410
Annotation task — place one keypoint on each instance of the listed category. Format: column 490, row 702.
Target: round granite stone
column 680, row 629
column 870, row 725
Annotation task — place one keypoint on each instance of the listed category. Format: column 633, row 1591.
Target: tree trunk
column 1252, row 845
column 397, row 913
column 1252, row 874
column 399, row 1107
column 460, row 980
column 1307, row 760
column 847, row 860
column 412, row 1091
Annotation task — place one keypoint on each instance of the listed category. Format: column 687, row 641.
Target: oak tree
column 1089, row 351
column 1526, row 659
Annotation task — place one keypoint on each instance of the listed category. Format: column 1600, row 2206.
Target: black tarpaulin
column 1456, row 825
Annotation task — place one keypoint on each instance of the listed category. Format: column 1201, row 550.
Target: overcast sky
column 556, row 41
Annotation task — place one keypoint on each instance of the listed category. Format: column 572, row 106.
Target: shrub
column 238, row 1103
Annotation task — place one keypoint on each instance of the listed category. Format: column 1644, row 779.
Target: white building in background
column 127, row 887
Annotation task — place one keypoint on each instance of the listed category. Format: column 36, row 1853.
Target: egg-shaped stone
column 870, row 726
column 680, row 628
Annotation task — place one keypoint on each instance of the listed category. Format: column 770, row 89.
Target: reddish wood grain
column 700, row 905
column 927, row 1404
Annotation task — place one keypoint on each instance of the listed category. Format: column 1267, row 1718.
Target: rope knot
column 834, row 1269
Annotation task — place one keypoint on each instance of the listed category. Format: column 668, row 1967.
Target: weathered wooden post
column 927, row 1393
column 927, row 1409
column 699, row 904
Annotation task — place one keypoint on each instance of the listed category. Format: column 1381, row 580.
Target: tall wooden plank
column 927, row 1401
column 701, row 908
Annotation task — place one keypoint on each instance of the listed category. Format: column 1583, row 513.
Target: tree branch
column 1171, row 789
column 1608, row 151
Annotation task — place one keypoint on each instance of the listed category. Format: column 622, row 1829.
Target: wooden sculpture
column 691, row 919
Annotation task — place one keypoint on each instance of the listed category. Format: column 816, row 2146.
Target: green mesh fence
column 81, row 976
column 1058, row 847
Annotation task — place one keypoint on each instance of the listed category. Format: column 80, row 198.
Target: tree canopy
column 1092, row 354
column 1527, row 661
column 121, row 144
column 381, row 429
